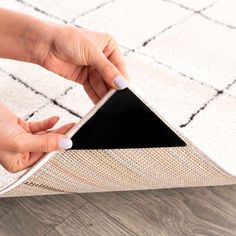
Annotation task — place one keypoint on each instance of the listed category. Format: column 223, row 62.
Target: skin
column 89, row 58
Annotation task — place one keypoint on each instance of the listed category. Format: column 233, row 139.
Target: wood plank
column 89, row 221
column 139, row 219
column 188, row 211
column 36, row 215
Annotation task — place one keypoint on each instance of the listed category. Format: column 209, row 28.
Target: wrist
column 23, row 37
column 42, row 42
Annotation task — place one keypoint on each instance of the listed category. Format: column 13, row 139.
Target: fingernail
column 120, row 82
column 65, row 143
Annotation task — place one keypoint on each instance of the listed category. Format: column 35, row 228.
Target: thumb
column 109, row 72
column 27, row 142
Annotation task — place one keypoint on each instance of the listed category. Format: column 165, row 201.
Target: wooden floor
column 188, row 211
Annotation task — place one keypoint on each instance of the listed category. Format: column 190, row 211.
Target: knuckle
column 49, row 143
column 88, row 52
column 111, row 39
column 44, row 143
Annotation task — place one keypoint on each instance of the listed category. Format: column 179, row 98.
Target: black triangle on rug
column 124, row 121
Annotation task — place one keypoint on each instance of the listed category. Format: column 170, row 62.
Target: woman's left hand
column 23, row 143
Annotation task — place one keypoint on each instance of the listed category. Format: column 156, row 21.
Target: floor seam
column 107, row 214
column 54, row 227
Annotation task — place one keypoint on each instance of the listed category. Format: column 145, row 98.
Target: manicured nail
column 120, row 82
column 65, row 143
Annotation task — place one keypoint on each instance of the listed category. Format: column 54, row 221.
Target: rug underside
column 123, row 145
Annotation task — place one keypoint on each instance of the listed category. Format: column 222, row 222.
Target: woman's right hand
column 89, row 58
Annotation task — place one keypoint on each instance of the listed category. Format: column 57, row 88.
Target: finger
column 24, row 162
column 81, row 74
column 36, row 126
column 61, row 130
column 91, row 93
column 26, row 142
column 108, row 87
column 109, row 71
column 118, row 60
column 97, row 83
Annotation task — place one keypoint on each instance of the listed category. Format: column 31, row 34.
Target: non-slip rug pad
column 124, row 121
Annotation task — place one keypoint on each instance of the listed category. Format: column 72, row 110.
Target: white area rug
column 180, row 54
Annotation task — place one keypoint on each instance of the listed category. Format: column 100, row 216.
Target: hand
column 89, row 58
column 86, row 57
column 23, row 143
